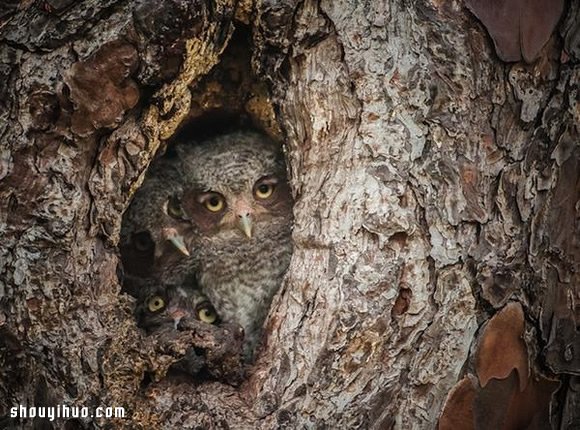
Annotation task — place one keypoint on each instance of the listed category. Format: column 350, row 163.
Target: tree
column 436, row 263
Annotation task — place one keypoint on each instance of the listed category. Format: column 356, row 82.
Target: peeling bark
column 437, row 189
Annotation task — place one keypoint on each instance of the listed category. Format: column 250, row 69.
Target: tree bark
column 435, row 276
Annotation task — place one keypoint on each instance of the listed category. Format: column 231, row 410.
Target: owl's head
column 148, row 233
column 159, row 305
column 235, row 187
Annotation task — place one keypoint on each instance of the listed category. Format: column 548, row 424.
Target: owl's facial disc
column 176, row 239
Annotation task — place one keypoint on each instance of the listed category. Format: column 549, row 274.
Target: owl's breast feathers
column 241, row 275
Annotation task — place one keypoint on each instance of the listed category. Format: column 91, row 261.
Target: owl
column 237, row 200
column 161, row 308
column 165, row 306
column 150, row 237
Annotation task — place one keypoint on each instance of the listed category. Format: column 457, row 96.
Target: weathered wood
column 436, row 187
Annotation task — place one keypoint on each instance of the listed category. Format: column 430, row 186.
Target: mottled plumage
column 164, row 306
column 150, row 237
column 238, row 202
column 160, row 310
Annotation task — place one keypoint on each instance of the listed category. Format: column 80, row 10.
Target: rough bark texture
column 436, row 271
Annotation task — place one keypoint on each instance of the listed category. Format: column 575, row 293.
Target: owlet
column 160, row 310
column 150, row 237
column 164, row 306
column 237, row 200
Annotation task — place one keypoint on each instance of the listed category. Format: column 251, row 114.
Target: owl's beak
column 176, row 315
column 176, row 239
column 245, row 225
column 178, row 242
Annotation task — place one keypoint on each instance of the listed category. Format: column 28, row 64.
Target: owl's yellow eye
column 206, row 313
column 264, row 188
column 174, row 208
column 264, row 191
column 155, row 304
column 214, row 203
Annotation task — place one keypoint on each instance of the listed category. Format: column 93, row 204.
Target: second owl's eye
column 264, row 188
column 155, row 304
column 174, row 208
column 213, row 202
column 143, row 241
column 206, row 313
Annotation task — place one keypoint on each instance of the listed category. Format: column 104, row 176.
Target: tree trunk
column 436, row 270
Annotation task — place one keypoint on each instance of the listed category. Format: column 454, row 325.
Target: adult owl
column 237, row 200
column 150, row 237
